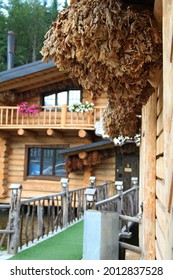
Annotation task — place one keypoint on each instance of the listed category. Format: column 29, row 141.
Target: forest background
column 29, row 20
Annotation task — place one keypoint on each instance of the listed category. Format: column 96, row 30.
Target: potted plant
column 24, row 109
column 82, row 107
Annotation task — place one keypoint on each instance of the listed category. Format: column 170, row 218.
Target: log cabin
column 156, row 162
column 30, row 143
column 156, row 185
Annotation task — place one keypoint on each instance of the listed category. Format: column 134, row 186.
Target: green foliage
column 29, row 20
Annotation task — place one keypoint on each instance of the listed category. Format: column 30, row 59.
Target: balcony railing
column 50, row 116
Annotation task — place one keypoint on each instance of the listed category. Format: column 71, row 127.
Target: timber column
column 3, row 167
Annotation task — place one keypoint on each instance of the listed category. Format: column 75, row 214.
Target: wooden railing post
column 40, row 212
column 64, row 184
column 14, row 219
column 63, row 114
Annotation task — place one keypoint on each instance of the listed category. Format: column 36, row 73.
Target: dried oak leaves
column 109, row 49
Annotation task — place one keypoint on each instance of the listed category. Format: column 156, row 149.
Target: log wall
column 13, row 172
column 12, row 159
column 16, row 160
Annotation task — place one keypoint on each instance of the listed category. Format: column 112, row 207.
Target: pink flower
column 24, row 108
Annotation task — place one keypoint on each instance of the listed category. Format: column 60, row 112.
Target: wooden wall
column 16, row 164
column 106, row 171
column 156, row 157
column 168, row 121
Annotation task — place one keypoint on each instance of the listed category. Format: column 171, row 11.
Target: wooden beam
column 158, row 10
column 54, row 133
column 35, row 81
column 83, row 134
column 82, row 155
column 130, row 247
column 149, row 179
column 4, row 134
column 26, row 133
column 41, row 83
column 63, row 115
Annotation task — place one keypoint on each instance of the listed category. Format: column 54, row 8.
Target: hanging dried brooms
column 111, row 49
column 74, row 163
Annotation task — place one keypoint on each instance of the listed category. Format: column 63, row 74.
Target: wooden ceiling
column 33, row 81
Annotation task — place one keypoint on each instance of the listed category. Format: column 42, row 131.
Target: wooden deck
column 50, row 116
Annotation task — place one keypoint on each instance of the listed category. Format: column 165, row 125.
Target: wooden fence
column 36, row 218
column 123, row 202
column 54, row 116
column 126, row 204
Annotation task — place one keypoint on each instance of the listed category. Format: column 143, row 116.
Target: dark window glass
column 45, row 162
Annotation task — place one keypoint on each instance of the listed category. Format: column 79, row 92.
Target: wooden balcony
column 54, row 117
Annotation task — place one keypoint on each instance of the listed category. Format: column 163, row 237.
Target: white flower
column 82, row 107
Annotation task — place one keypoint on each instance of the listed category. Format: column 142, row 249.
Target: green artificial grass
column 67, row 245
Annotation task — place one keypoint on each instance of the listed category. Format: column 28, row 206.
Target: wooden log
column 158, row 10
column 129, row 218
column 83, row 133
column 130, row 247
column 148, row 182
column 4, row 134
column 54, row 133
column 82, row 155
column 87, row 174
column 26, row 133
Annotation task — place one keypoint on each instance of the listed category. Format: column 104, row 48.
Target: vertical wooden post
column 14, row 219
column 149, row 180
column 4, row 143
column 64, row 184
column 40, row 211
column 168, row 119
column 63, row 114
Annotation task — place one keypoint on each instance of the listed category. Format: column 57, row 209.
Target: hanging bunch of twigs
column 108, row 48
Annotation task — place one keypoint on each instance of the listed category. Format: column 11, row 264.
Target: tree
column 3, row 39
column 29, row 20
column 65, row 4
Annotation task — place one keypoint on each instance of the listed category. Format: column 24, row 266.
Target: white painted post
column 119, row 187
column 14, row 219
column 92, row 181
column 64, row 184
column 134, row 183
column 89, row 197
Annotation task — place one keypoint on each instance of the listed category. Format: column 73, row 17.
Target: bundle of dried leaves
column 74, row 163
column 104, row 45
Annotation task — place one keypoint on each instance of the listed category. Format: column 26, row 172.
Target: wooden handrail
column 54, row 116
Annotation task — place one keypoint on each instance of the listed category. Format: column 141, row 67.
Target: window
column 45, row 162
column 68, row 97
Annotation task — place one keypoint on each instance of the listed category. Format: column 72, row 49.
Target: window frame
column 41, row 177
column 59, row 91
